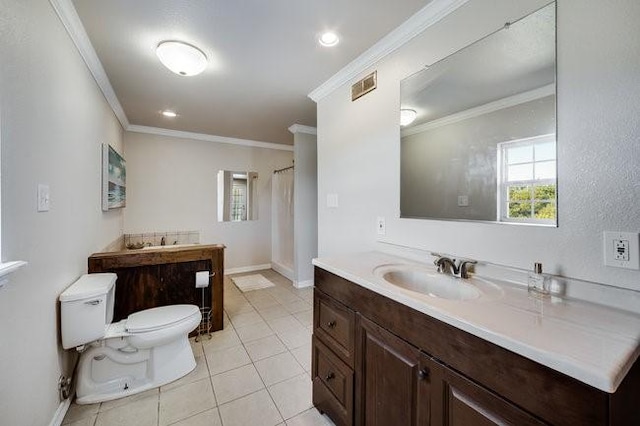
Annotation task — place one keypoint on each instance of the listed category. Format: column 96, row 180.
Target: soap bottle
column 538, row 282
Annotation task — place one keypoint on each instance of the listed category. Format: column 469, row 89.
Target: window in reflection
column 527, row 180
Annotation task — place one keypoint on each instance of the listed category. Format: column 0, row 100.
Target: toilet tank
column 86, row 309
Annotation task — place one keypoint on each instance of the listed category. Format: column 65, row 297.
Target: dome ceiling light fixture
column 181, row 58
column 329, row 39
column 169, row 113
column 407, row 116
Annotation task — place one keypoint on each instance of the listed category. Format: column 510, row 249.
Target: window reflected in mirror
column 527, row 180
column 237, row 196
column 481, row 141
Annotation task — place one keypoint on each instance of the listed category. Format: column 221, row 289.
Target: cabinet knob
column 331, row 324
column 330, row 376
column 423, row 374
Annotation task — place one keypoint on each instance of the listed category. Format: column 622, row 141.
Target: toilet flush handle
column 93, row 302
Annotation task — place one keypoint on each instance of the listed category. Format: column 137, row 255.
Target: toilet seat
column 146, row 350
column 159, row 318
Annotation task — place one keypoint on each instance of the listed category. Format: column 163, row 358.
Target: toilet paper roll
column 202, row 279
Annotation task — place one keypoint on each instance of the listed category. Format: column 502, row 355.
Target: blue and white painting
column 114, row 179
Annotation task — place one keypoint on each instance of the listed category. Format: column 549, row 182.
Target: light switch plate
column 463, row 200
column 332, row 201
column 381, row 227
column 621, row 249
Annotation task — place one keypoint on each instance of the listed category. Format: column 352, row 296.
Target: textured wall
column 598, row 149
column 53, row 120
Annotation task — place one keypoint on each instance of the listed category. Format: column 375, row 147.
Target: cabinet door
column 457, row 401
column 391, row 387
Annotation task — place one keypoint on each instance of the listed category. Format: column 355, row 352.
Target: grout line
column 266, row 388
column 213, row 390
column 270, row 396
column 158, row 408
column 189, row 416
column 206, row 361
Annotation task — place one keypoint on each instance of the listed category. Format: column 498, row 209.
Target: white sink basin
column 426, row 281
column 167, row 246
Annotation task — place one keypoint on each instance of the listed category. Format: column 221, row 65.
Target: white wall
column 53, row 119
column 598, row 149
column 172, row 185
column 305, row 227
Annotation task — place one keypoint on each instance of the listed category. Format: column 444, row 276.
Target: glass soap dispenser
column 538, row 282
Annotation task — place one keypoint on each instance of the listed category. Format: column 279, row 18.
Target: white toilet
column 148, row 349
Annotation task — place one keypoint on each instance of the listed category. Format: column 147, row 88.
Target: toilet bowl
column 148, row 349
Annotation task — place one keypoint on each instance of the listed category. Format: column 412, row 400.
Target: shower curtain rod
column 283, row 170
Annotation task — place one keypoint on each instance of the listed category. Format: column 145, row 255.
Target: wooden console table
column 153, row 277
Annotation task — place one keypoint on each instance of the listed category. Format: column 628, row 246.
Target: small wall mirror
column 478, row 130
column 237, row 196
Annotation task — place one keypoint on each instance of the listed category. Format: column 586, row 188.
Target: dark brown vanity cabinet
column 378, row 362
column 400, row 385
column 457, row 401
column 333, row 358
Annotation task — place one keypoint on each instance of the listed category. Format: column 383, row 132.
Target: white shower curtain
column 282, row 223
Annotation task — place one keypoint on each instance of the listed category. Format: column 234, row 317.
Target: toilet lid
column 155, row 318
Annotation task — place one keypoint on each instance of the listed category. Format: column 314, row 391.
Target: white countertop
column 594, row 344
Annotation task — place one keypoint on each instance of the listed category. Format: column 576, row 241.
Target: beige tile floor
column 255, row 372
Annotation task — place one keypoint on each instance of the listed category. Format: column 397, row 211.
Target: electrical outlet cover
column 463, row 200
column 381, row 227
column 43, row 198
column 622, row 250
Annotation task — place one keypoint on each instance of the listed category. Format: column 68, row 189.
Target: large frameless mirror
column 478, row 130
column 237, row 196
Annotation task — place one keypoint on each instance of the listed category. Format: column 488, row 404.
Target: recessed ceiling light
column 181, row 58
column 168, row 113
column 329, row 39
column 407, row 116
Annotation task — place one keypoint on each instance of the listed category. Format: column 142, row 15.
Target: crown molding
column 208, row 138
column 507, row 102
column 71, row 21
column 433, row 12
column 300, row 128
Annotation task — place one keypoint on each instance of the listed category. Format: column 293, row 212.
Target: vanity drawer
column 334, row 324
column 332, row 384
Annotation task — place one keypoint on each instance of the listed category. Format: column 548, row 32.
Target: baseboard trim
column 58, row 417
column 250, row 268
column 303, row 284
column 282, row 270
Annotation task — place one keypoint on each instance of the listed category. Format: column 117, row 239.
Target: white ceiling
column 264, row 58
column 504, row 64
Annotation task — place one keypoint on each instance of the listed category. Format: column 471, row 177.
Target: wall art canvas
column 114, row 179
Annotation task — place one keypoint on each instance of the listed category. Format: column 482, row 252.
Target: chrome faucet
column 446, row 265
column 163, row 241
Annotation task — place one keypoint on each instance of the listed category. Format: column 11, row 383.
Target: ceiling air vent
column 364, row 86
